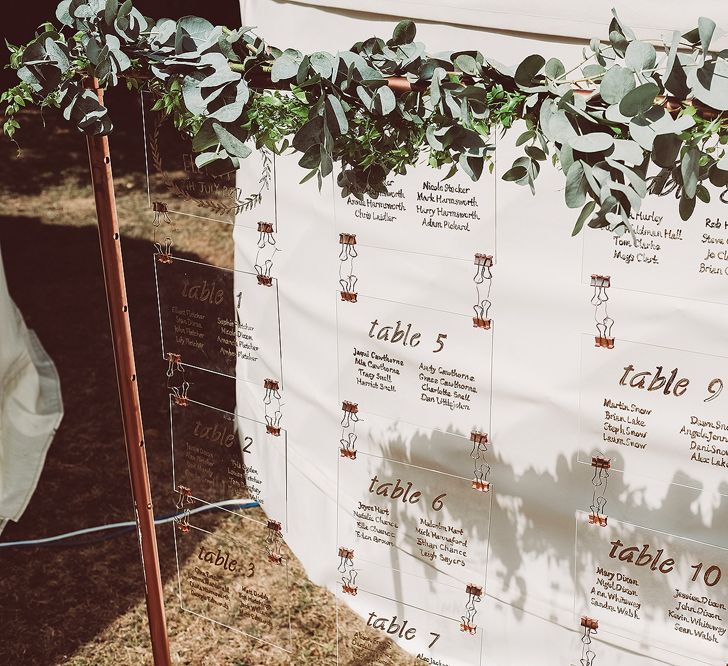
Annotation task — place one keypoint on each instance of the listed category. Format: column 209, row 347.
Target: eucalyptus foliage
column 628, row 120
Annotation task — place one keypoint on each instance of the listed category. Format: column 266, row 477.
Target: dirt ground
column 84, row 605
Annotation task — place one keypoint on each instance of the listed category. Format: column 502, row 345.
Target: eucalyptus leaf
column 204, row 159
column 528, row 69
column 515, row 173
column 467, row 64
column 57, row 54
column 232, row 140
column 63, row 12
column 404, row 33
column 322, row 63
column 677, row 80
column 710, row 82
column 311, row 133
column 593, row 71
column 554, row 68
column 561, row 128
column 627, row 152
column 689, row 169
column 193, row 34
column 111, row 11
column 385, row 101
column 575, row 193
column 616, row 84
column 326, row 165
column 706, row 29
column 471, row 165
column 205, row 137
column 311, row 158
column 686, row 207
column 584, row 216
column 595, row 142
column 665, row 150
column 286, row 66
column 639, row 100
column 333, row 105
column 640, row 56
column 619, row 42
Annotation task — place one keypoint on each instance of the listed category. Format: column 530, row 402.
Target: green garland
column 625, row 122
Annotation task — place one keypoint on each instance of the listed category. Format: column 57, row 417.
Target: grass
column 84, row 606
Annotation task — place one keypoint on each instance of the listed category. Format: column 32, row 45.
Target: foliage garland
column 631, row 121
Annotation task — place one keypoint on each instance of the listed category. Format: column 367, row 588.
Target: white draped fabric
column 563, row 18
column 30, row 408
column 541, row 304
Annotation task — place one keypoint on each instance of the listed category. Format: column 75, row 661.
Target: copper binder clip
column 272, row 423
column 179, row 395
column 478, row 437
column 346, row 567
column 475, row 594
column 483, row 260
column 474, row 590
column 274, row 542
column 265, row 280
column 348, row 253
column 480, row 485
column 598, row 519
column 348, row 446
column 601, row 281
column 174, row 362
column 604, row 341
column 351, row 413
column 589, row 623
column 184, row 498
column 164, row 252
column 265, row 228
column 350, row 407
column 600, row 462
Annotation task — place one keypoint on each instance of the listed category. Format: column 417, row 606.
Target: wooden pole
column 126, row 375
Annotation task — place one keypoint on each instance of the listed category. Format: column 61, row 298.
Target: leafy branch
column 624, row 122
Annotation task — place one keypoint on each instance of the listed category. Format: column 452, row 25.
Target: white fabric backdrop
column 30, row 408
column 562, row 18
column 541, row 306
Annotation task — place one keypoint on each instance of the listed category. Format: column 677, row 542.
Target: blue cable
column 119, row 528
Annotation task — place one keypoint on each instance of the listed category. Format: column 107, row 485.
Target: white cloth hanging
column 542, row 313
column 31, row 408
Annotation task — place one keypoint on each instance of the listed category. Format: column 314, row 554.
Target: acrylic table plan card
column 660, row 590
column 218, row 456
column 655, row 411
column 413, row 520
column 218, row 319
column 238, row 578
column 423, row 212
column 666, row 256
column 433, row 366
column 399, row 628
column 175, row 178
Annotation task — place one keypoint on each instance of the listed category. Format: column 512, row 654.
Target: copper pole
column 126, row 375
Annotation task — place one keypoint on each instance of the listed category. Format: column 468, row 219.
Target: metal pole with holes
column 126, row 375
